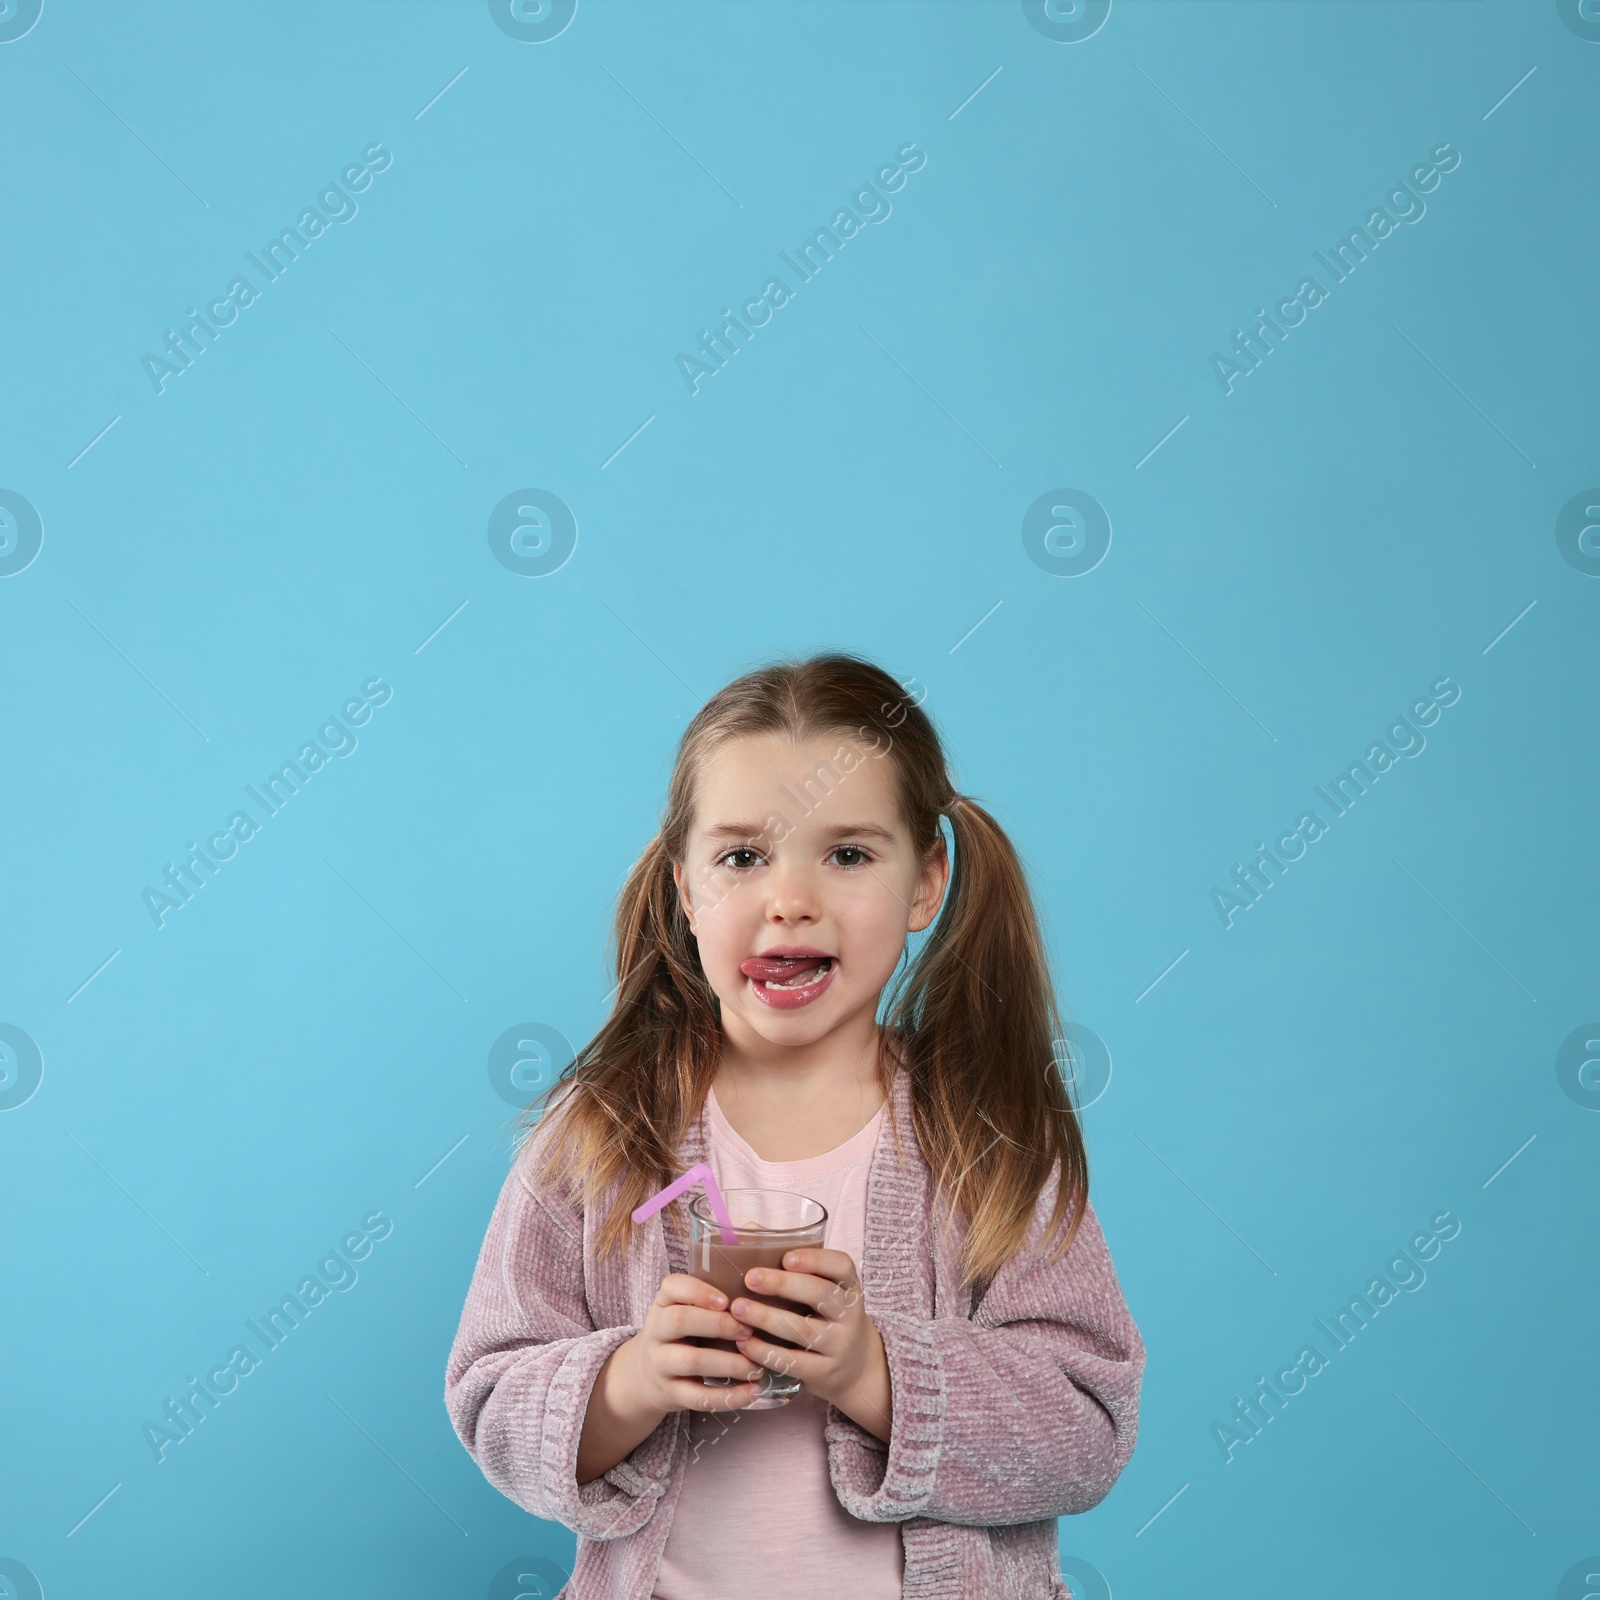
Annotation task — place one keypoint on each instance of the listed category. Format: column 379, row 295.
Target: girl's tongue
column 787, row 971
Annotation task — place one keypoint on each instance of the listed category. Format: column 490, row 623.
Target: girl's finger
column 679, row 1289
column 833, row 1264
column 801, row 1287
column 694, row 1361
column 696, row 1396
column 698, row 1322
column 773, row 1325
column 774, row 1357
column 783, row 1324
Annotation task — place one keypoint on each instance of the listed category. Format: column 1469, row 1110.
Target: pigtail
column 992, row 1110
column 623, row 1102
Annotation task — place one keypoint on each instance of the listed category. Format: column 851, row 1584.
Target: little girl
column 969, row 1368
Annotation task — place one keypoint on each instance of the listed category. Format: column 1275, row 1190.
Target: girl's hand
column 842, row 1358
column 654, row 1373
column 662, row 1373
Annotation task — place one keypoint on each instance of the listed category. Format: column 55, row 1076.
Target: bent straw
column 698, row 1173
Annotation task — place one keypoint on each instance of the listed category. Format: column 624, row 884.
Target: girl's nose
column 792, row 896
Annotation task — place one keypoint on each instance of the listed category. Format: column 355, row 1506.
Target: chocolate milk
column 724, row 1267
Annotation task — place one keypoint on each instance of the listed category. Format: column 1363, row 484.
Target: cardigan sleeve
column 1027, row 1410
column 523, row 1365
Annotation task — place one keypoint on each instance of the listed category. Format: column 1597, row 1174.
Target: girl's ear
column 683, row 896
column 930, row 887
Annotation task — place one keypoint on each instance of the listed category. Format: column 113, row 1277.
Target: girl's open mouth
column 786, row 982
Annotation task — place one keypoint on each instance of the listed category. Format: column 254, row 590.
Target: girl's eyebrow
column 734, row 830
column 752, row 830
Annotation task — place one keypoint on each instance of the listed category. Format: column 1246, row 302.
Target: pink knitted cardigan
column 1006, row 1416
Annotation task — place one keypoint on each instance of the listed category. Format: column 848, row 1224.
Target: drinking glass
column 769, row 1223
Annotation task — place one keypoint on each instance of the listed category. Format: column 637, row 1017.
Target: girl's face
column 800, row 886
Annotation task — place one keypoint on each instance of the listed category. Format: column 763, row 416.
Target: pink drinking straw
column 698, row 1173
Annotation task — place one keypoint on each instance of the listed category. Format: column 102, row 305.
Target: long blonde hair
column 974, row 1017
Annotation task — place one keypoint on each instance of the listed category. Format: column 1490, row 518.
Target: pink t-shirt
column 757, row 1511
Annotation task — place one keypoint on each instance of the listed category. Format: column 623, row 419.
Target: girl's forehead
column 831, row 776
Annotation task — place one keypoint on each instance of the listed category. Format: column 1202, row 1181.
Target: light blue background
column 303, row 1043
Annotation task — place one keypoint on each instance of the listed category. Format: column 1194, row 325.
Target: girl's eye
column 741, row 858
